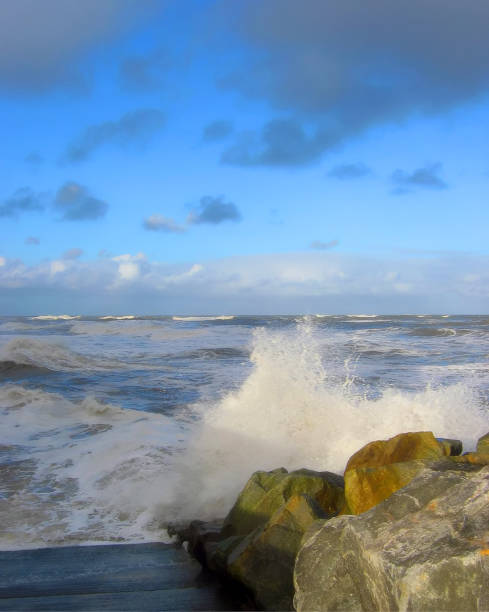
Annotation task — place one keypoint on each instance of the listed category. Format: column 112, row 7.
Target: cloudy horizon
column 189, row 157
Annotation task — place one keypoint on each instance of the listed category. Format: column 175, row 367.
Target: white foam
column 99, row 470
column 153, row 330
column 120, row 318
column 122, row 474
column 217, row 318
column 290, row 413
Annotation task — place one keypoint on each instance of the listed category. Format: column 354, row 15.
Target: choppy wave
column 217, row 318
column 291, row 413
column 154, row 330
column 37, row 353
column 117, row 318
column 11, row 370
column 90, row 471
column 55, row 317
column 428, row 332
column 18, row 326
column 224, row 352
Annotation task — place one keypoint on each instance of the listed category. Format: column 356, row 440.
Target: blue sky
column 209, row 156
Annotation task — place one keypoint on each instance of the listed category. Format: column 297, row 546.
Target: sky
column 254, row 157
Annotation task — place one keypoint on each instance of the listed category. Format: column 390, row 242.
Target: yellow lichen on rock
column 403, row 447
column 366, row 487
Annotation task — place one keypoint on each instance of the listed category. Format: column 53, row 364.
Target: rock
column 400, row 448
column 217, row 553
column 475, row 458
column 451, row 447
column 266, row 492
column 382, row 467
column 483, row 444
column 261, row 535
column 426, row 547
column 264, row 560
column 366, row 487
column 198, row 534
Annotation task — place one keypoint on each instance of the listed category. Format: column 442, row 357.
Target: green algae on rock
column 266, row 492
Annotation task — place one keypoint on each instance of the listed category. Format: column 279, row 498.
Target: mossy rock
column 266, row 492
column 483, row 444
column 264, row 560
column 401, row 448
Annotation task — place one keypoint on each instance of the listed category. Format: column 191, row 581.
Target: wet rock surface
column 406, row 529
column 426, row 547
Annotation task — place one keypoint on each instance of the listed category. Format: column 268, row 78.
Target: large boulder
column 261, row 535
column 483, row 444
column 426, row 547
column 403, row 447
column 264, row 560
column 366, row 487
column 266, row 492
column 382, row 467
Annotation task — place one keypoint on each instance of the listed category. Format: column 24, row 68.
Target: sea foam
column 290, row 412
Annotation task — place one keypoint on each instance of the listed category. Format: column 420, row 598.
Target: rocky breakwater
column 256, row 545
column 406, row 529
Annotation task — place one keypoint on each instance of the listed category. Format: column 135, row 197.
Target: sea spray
column 75, row 469
column 290, row 412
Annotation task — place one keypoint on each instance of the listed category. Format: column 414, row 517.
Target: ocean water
column 113, row 427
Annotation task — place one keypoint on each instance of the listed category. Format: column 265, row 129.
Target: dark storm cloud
column 75, row 203
column 72, row 254
column 145, row 73
column 158, row 223
column 217, row 130
column 319, row 245
column 281, row 142
column 23, row 200
column 32, row 240
column 346, row 172
column 136, row 127
column 424, row 178
column 350, row 65
column 34, row 158
column 214, row 210
column 41, row 41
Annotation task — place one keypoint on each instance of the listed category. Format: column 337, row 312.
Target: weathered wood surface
column 108, row 577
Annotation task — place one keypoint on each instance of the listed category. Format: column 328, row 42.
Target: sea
column 114, row 427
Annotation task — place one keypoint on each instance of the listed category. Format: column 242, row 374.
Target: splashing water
column 80, row 470
column 291, row 413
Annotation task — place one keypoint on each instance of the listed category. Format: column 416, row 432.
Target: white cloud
column 128, row 271
column 293, row 282
column 58, row 266
column 129, row 257
column 159, row 223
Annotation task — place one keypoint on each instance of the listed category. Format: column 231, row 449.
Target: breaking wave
column 88, row 470
column 48, row 355
column 218, row 318
column 55, row 317
column 290, row 412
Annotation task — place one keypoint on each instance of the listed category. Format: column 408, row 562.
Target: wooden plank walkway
column 108, row 577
